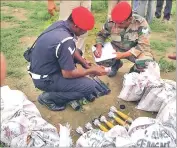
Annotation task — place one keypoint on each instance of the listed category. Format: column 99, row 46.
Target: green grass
column 10, row 44
column 27, row 4
column 161, row 46
column 38, row 19
column 158, row 26
column 166, row 66
column 99, row 6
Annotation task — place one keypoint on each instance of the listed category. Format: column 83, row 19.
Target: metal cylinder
column 90, row 97
column 75, row 105
column 103, row 85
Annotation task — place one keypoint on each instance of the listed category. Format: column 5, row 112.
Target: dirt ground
column 91, row 111
column 18, row 13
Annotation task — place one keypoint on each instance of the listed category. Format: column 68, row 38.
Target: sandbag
column 95, row 138
column 134, row 83
column 132, row 90
column 143, row 132
column 23, row 126
column 167, row 113
column 115, row 137
column 148, row 132
column 150, row 100
column 155, row 94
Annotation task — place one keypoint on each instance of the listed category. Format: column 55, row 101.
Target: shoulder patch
column 138, row 18
column 145, row 30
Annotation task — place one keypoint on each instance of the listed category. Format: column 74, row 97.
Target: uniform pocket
column 116, row 37
column 133, row 36
column 44, row 84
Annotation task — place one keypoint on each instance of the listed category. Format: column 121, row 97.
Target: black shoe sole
column 43, row 103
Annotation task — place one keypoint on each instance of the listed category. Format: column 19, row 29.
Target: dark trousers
column 167, row 11
column 63, row 90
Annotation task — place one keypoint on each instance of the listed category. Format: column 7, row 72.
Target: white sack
column 167, row 113
column 148, row 132
column 151, row 101
column 144, row 132
column 95, row 138
column 134, row 83
column 132, row 90
column 21, row 120
column 155, row 94
column 115, row 137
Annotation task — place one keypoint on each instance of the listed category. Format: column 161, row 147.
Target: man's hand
column 98, row 51
column 122, row 55
column 119, row 55
column 52, row 7
column 87, row 64
column 172, row 56
column 98, row 70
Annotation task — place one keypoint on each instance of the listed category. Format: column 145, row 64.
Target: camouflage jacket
column 135, row 38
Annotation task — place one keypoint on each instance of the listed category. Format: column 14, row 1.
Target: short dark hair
column 70, row 18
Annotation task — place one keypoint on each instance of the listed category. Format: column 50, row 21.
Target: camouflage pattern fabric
column 135, row 38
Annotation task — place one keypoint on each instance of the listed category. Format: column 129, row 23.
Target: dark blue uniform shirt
column 46, row 59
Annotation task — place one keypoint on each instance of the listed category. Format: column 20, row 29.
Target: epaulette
column 138, row 18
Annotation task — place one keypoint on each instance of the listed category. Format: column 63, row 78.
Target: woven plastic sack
column 23, row 126
column 167, row 113
column 155, row 94
column 148, row 132
column 132, row 90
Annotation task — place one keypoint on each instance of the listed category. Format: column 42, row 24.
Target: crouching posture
column 129, row 37
column 53, row 58
column 22, row 124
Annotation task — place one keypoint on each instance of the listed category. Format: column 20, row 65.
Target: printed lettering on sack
column 156, row 135
column 146, row 143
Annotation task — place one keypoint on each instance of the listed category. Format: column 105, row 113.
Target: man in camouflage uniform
column 130, row 38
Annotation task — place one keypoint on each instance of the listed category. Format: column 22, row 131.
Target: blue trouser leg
column 135, row 5
column 66, row 90
column 150, row 11
column 159, row 7
column 167, row 11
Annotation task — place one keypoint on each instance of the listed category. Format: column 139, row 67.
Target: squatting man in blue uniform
column 53, row 62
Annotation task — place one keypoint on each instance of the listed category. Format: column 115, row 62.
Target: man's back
column 44, row 59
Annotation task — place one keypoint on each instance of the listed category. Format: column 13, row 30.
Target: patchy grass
column 161, row 46
column 10, row 43
column 158, row 26
column 99, row 6
column 166, row 66
column 38, row 19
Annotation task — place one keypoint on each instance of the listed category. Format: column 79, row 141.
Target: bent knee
column 89, row 87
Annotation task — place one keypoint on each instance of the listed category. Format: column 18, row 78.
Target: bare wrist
column 88, row 71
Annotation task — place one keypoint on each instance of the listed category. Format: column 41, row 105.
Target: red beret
column 121, row 12
column 83, row 18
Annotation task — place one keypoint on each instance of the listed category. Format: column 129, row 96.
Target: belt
column 36, row 76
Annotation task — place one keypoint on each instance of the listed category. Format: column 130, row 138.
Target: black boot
column 45, row 99
column 115, row 68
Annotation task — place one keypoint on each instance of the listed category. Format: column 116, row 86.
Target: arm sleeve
column 104, row 33
column 143, row 40
column 65, row 59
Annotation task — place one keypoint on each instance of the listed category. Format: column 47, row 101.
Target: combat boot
column 115, row 68
column 45, row 99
